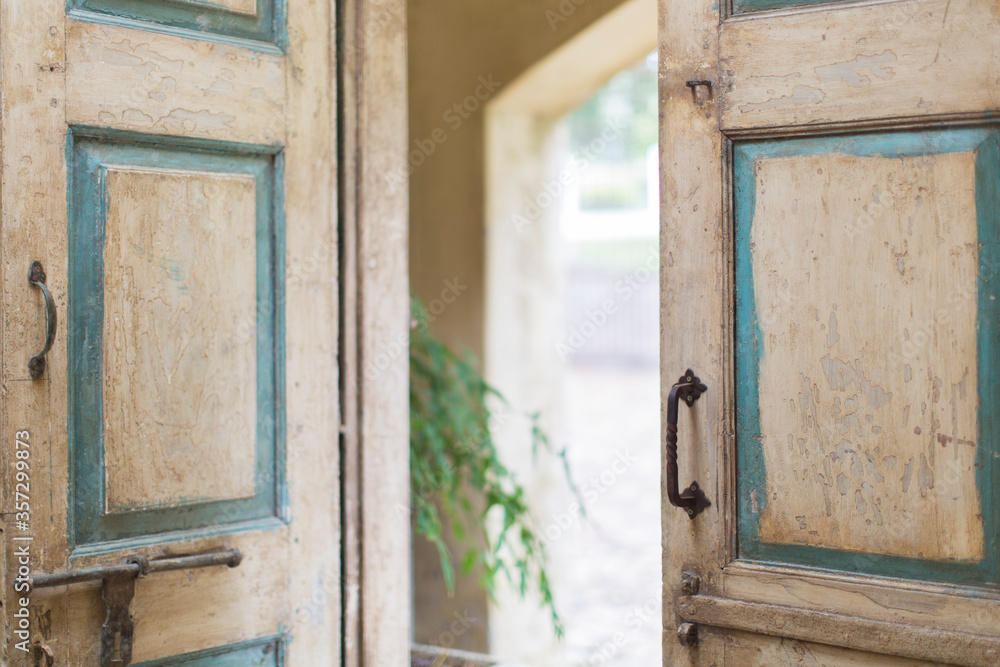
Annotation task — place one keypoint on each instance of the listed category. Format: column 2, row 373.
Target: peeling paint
column 832, row 336
column 851, row 72
column 800, row 95
column 925, row 477
column 843, row 484
column 907, row 475
column 859, row 501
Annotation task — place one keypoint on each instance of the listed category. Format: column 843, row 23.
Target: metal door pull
column 693, row 499
column 36, row 276
column 118, row 588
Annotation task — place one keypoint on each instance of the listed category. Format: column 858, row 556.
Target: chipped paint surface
column 869, row 60
column 867, row 376
column 858, row 72
column 135, row 80
column 180, row 386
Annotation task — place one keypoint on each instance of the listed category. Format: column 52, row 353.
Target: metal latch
column 118, row 588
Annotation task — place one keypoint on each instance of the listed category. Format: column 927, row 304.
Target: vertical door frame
column 373, row 212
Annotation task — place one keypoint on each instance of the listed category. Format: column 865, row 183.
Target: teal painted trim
column 89, row 152
column 744, row 6
column 752, row 476
column 199, row 19
column 265, row 652
column 984, row 140
column 143, row 541
column 988, row 346
column 278, row 254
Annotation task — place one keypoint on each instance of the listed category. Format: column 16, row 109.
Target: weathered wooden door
column 831, row 220
column 171, row 167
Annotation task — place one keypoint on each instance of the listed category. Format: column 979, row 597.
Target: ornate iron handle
column 36, row 365
column 689, row 387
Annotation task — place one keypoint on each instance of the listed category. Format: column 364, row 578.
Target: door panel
column 174, row 333
column 129, row 78
column 855, row 437
column 153, row 153
column 830, row 208
column 859, row 63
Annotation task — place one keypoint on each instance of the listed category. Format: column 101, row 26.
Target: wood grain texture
column 312, row 313
column 869, row 439
column 694, row 319
column 32, row 226
column 862, row 62
column 744, row 648
column 180, row 381
column 374, row 147
column 132, row 79
column 850, row 632
column 911, row 603
column 348, row 169
column 166, row 625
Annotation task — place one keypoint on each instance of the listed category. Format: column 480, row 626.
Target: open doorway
column 490, row 90
column 609, row 223
column 572, row 333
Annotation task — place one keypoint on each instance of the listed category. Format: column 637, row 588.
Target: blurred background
column 534, row 189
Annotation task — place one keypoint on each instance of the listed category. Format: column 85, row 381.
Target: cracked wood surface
column 180, row 366
column 138, row 80
column 852, row 63
column 865, row 284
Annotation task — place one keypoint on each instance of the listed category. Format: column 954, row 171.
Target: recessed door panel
column 175, row 412
column 866, row 320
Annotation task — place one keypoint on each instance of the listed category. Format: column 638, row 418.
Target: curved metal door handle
column 693, row 499
column 36, row 365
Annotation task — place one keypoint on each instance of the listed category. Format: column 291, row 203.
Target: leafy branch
column 451, row 452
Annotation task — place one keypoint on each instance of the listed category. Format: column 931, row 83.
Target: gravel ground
column 609, row 594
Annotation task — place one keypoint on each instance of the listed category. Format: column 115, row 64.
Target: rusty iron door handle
column 36, row 365
column 689, row 387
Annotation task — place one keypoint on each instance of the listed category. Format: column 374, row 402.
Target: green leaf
column 452, row 456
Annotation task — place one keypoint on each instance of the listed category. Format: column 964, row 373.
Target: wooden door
column 831, row 214
column 171, row 166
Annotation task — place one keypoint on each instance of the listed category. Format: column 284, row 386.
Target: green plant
column 454, row 468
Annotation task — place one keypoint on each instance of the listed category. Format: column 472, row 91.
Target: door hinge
column 687, row 633
column 118, row 589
